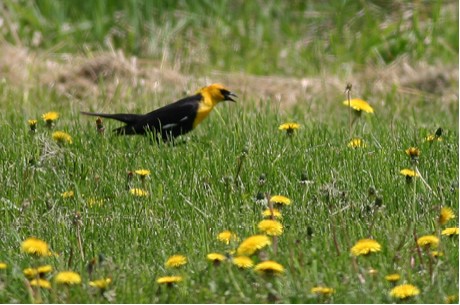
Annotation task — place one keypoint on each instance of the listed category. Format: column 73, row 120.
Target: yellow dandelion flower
column 445, row 215
column 32, row 125
column 289, row 127
column 226, row 237
column 216, row 257
column 68, row 278
column 450, row 231
column 413, row 152
column 269, row 268
column 394, row 277
column 169, row 280
column 243, row 262
column 35, row 246
column 101, row 283
column 432, row 138
column 270, row 227
column 320, row 290
column 92, row 202
column 404, row 291
column 365, row 247
column 30, row 273
column 62, row 137
column 428, row 241
column 40, row 271
column 356, row 143
column 142, row 172
column 451, row 299
column 274, row 212
column 176, row 261
column 280, row 200
column 138, row 192
column 3, row 266
column 359, row 105
column 67, row 194
column 408, row 173
column 42, row 283
column 50, row 117
column 437, row 253
column 251, row 244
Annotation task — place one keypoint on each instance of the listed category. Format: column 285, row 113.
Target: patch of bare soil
column 81, row 77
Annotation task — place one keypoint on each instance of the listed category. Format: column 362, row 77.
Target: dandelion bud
column 304, row 178
column 438, row 132
column 378, row 202
column 309, row 231
column 413, row 153
column 262, row 179
column 348, row 87
column 32, row 125
column 99, row 126
column 371, row 192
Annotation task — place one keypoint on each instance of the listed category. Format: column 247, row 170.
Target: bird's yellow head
column 217, row 93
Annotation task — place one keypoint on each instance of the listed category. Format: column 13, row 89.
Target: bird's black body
column 168, row 122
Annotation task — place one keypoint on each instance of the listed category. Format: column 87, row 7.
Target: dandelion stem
column 430, row 263
column 424, row 182
column 401, row 243
column 70, row 260
column 235, row 283
column 67, row 290
column 238, row 169
column 80, row 244
column 374, row 217
column 348, row 92
column 414, row 199
column 419, row 252
column 333, row 229
column 334, row 237
column 129, row 178
column 355, row 267
column 272, row 217
column 143, row 182
column 30, row 292
column 240, row 164
column 77, row 222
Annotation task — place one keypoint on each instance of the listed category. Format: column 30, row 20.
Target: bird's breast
column 202, row 113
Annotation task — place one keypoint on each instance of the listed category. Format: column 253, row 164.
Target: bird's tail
column 122, row 117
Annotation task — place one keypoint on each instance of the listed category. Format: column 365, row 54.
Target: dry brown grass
column 81, row 77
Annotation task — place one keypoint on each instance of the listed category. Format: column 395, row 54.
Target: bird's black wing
column 171, row 120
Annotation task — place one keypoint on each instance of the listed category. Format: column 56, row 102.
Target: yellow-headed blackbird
column 174, row 119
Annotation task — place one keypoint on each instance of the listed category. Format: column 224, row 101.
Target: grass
column 194, row 195
column 285, row 38
column 210, row 181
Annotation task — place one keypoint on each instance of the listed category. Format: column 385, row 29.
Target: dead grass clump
column 111, row 73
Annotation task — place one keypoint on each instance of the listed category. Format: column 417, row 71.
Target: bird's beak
column 228, row 96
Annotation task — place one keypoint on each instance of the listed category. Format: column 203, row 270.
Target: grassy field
column 218, row 177
column 257, row 37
